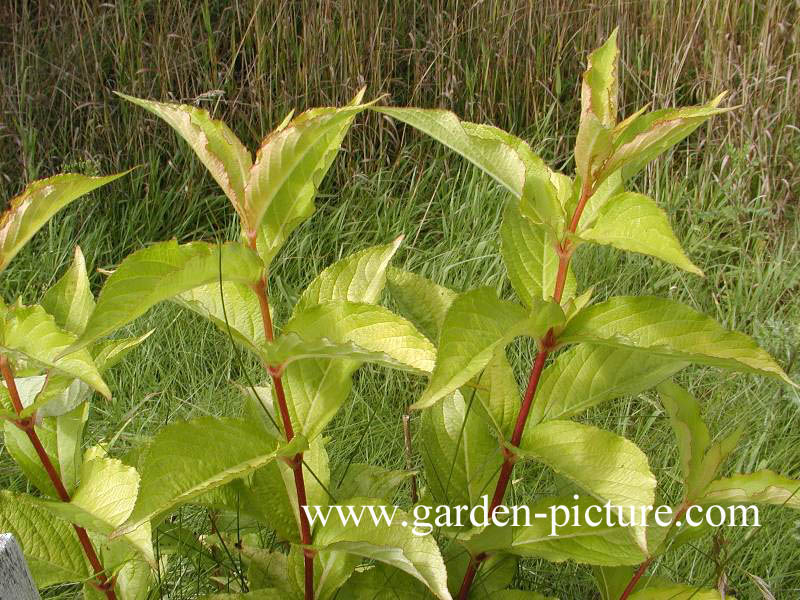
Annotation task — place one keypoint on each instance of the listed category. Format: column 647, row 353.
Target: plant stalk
column 409, row 461
column 105, row 584
column 296, row 463
column 546, row 345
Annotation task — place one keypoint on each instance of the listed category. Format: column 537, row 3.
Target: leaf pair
column 276, row 189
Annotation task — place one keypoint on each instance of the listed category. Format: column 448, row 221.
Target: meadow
column 730, row 191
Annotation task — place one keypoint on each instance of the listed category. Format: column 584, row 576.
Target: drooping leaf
column 104, row 500
column 424, row 302
column 19, row 447
column 37, row 203
column 50, row 546
column 265, row 594
column 370, row 327
column 189, row 458
column 460, row 455
column 359, row 277
column 30, row 333
column 588, row 375
column 160, row 272
column 496, row 573
column 498, row 159
column 606, row 544
column 290, row 347
column 371, row 481
column 634, row 222
column 529, row 254
column 237, row 307
column 678, row 592
column 70, row 300
column 293, row 160
column 58, row 394
column 497, row 392
column 648, row 135
column 477, row 325
column 383, row 582
column 331, row 570
column 108, row 353
column 761, row 487
column 691, row 432
column 69, row 444
column 217, row 147
column 392, row 544
column 667, row 328
column 606, row 465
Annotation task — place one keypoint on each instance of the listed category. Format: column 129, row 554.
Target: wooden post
column 15, row 579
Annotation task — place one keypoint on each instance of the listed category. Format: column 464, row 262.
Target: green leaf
column 599, row 88
column 237, row 303
column 588, row 375
column 293, row 160
column 371, row 481
column 69, row 444
column 634, row 222
column 50, row 546
column 496, row 573
column 477, row 325
column 690, row 430
column 761, row 487
column 667, row 328
column 424, row 302
column 30, row 333
column 383, row 582
column 372, row 328
column 291, row 347
column 518, row 595
column 108, row 353
column 497, row 391
column 217, row 147
column 273, row 490
column 359, row 277
column 393, row 544
column 331, row 570
column 19, row 447
column 460, row 455
column 104, row 500
column 528, row 251
column 678, row 592
column 265, row 594
column 160, row 272
column 607, row 544
column 189, row 458
column 593, row 145
column 606, row 465
column 648, row 135
column 315, row 390
column 70, row 300
column 474, row 142
column 38, row 202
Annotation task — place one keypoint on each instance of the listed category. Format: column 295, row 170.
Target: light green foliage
column 371, row 481
column 422, row 301
column 189, row 458
column 359, row 277
column 607, row 466
column 607, row 544
column 635, row 223
column 160, row 272
column 678, row 592
column 373, row 328
column 30, row 333
column 529, row 254
column 669, row 329
column 70, row 300
column 29, row 211
column 587, row 375
column 50, row 546
column 477, row 325
column 104, row 501
column 393, row 544
column 458, row 451
column 761, row 487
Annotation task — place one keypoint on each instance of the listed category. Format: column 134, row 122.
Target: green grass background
column 731, row 191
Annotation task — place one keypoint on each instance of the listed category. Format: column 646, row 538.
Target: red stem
column 546, row 345
column 27, row 425
column 296, row 463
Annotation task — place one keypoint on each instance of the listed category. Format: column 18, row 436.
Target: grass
column 730, row 191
